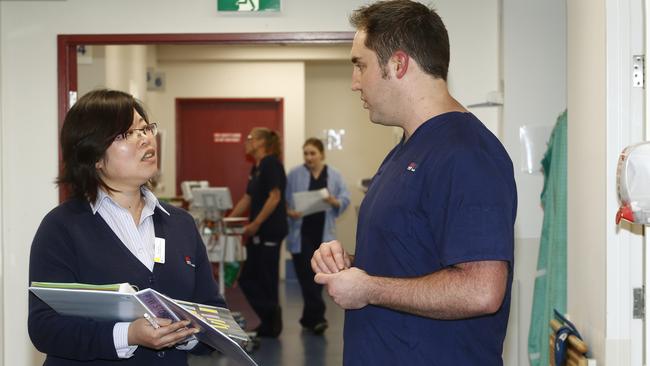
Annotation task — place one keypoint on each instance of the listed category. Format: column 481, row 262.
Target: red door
column 210, row 136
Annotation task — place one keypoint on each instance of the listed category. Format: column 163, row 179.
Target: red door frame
column 67, row 52
column 179, row 146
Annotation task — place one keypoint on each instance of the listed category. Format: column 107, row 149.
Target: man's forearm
column 467, row 290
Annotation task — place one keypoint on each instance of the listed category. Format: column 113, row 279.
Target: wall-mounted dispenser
column 633, row 184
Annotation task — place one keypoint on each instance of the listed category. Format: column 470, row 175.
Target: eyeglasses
column 137, row 133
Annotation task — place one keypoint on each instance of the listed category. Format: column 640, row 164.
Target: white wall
column 534, row 89
column 474, row 68
column 534, row 65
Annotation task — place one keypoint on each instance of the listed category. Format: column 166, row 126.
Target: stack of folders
column 121, row 302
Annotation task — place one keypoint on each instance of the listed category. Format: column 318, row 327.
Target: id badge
column 159, row 250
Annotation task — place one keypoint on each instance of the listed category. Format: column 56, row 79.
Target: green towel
column 551, row 279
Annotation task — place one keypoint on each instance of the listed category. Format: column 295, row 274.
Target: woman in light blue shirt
column 306, row 233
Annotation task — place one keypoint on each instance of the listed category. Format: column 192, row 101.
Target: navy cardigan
column 73, row 245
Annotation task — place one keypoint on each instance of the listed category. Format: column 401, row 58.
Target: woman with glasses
column 109, row 231
column 307, row 232
column 264, row 200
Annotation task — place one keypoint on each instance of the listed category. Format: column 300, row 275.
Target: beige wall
column 587, row 171
column 92, row 75
column 228, row 80
column 126, row 68
column 330, row 104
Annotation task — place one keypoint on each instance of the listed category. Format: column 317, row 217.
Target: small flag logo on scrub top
column 411, row 167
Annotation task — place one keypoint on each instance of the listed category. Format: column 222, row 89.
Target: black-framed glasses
column 136, row 134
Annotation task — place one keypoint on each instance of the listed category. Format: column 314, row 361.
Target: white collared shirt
column 139, row 239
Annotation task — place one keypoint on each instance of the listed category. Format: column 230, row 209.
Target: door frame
column 67, row 53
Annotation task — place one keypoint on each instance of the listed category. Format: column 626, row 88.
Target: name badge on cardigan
column 159, row 250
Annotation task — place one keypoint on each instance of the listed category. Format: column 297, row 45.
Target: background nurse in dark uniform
column 264, row 199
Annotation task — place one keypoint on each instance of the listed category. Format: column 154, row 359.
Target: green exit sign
column 248, row 5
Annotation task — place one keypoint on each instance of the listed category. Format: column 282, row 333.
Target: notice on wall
column 227, row 137
column 235, row 6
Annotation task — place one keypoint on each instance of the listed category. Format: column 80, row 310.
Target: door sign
column 227, row 137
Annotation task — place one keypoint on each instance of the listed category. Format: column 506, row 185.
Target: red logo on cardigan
column 412, row 166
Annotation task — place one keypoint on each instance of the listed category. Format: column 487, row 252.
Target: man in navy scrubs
column 430, row 281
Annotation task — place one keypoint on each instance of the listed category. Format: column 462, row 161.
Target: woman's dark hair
column 408, row 26
column 271, row 140
column 317, row 143
column 89, row 128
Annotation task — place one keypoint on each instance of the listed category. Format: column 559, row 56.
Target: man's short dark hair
column 89, row 128
column 408, row 26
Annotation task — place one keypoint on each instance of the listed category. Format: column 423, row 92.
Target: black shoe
column 319, row 328
column 265, row 331
column 273, row 327
column 276, row 322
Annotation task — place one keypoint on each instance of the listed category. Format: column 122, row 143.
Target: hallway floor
column 295, row 346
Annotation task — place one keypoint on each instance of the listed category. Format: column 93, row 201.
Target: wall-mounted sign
column 227, row 137
column 334, row 139
column 248, row 5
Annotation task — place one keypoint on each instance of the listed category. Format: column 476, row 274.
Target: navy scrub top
column 265, row 177
column 445, row 196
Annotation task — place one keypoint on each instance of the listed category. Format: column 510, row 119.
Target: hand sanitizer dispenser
column 633, row 184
